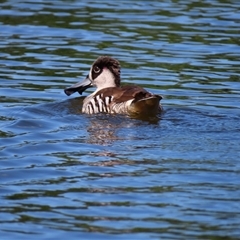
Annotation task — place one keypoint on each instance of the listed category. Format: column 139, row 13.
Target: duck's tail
column 146, row 105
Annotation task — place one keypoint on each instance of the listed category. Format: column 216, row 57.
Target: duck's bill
column 79, row 87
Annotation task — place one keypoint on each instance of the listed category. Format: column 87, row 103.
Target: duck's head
column 104, row 72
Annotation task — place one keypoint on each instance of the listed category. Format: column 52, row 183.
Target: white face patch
column 90, row 74
column 105, row 79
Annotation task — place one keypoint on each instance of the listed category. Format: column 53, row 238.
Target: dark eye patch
column 96, row 71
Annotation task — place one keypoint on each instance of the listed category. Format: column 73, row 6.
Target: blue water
column 67, row 174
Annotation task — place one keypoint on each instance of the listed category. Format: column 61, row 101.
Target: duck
column 110, row 96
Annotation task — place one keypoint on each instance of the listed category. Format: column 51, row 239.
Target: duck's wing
column 131, row 99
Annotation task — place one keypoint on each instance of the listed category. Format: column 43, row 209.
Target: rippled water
column 66, row 174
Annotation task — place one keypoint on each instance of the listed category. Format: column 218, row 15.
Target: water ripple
column 102, row 177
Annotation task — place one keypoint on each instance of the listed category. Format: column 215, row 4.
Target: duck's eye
column 96, row 69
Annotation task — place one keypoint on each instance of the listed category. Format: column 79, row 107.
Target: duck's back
column 126, row 100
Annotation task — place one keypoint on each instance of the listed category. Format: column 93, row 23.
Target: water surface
column 67, row 174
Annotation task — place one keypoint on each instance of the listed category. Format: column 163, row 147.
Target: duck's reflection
column 105, row 129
